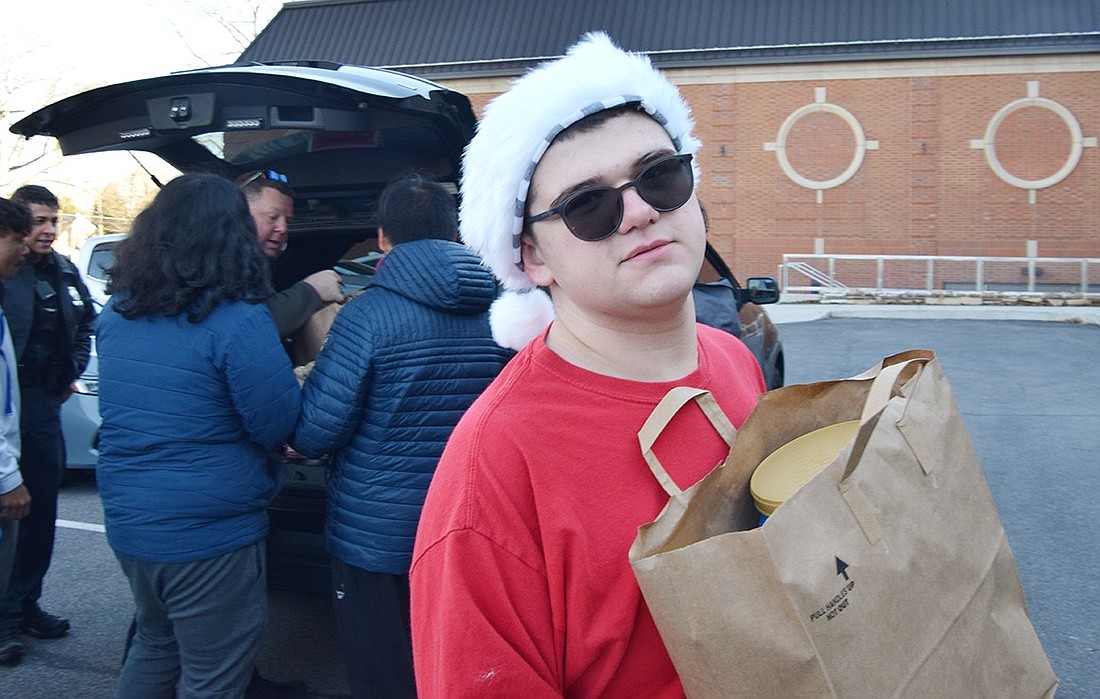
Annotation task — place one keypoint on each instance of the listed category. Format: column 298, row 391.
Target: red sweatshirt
column 521, row 586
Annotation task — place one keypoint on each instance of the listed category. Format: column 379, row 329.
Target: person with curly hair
column 196, row 393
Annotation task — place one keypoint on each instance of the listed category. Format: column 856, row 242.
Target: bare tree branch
column 238, row 23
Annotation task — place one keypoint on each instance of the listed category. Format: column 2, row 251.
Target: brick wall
column 925, row 189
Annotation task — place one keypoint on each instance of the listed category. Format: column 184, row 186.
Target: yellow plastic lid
column 794, row 464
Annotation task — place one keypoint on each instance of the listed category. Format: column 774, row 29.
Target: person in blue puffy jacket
column 196, row 393
column 401, row 364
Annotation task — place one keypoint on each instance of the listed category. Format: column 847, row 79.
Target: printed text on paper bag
column 839, row 602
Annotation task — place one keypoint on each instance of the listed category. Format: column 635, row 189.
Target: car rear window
column 101, row 260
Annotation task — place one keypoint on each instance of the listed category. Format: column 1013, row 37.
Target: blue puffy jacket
column 191, row 416
column 401, row 364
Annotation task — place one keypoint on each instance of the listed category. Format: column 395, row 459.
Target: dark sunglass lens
column 667, row 184
column 593, row 214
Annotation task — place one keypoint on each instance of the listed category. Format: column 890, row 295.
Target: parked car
column 93, row 259
column 80, row 419
column 339, row 134
column 80, row 414
column 723, row 303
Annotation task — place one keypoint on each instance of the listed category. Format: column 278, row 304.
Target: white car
column 93, row 259
column 80, row 414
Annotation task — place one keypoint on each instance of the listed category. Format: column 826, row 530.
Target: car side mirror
column 761, row 290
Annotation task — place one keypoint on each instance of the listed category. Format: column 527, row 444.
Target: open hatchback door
column 339, row 133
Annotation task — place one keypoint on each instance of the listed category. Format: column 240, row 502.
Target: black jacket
column 292, row 307
column 77, row 315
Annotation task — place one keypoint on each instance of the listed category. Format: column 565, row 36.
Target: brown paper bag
column 305, row 343
column 887, row 575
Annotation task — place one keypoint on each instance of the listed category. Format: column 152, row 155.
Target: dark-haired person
column 50, row 314
column 196, row 392
column 401, row 364
column 271, row 203
column 15, row 500
column 580, row 181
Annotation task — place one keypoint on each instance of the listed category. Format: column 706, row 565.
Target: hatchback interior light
column 254, row 123
column 135, row 133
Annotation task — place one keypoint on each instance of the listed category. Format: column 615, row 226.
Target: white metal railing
column 836, row 273
column 815, row 275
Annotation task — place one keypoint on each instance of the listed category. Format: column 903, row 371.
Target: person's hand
column 327, row 284
column 15, row 504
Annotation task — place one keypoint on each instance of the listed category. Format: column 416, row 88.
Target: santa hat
column 516, row 129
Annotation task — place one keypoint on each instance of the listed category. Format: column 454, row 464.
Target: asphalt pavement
column 86, row 585
column 1026, row 380
column 1027, row 390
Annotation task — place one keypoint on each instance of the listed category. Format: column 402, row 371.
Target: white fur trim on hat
column 518, row 126
column 517, row 317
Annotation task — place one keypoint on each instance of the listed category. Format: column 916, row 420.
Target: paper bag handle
column 671, row 404
column 877, row 397
column 882, row 388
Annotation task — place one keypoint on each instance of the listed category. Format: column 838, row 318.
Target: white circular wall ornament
column 820, row 105
column 1078, row 141
column 1076, row 138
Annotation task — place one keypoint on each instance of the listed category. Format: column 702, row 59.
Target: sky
column 106, row 40
column 50, row 49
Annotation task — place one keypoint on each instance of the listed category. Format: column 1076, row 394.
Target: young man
column 521, row 585
column 15, row 501
column 271, row 203
column 50, row 313
column 401, row 364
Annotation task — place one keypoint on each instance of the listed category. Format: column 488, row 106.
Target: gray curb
column 782, row 312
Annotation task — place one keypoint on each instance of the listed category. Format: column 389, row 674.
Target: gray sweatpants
column 199, row 625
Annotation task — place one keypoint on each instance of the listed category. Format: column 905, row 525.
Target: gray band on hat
column 594, row 108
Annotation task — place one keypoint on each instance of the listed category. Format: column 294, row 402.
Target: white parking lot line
column 86, row 526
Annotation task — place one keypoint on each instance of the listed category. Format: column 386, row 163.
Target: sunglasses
column 594, row 213
column 265, row 174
